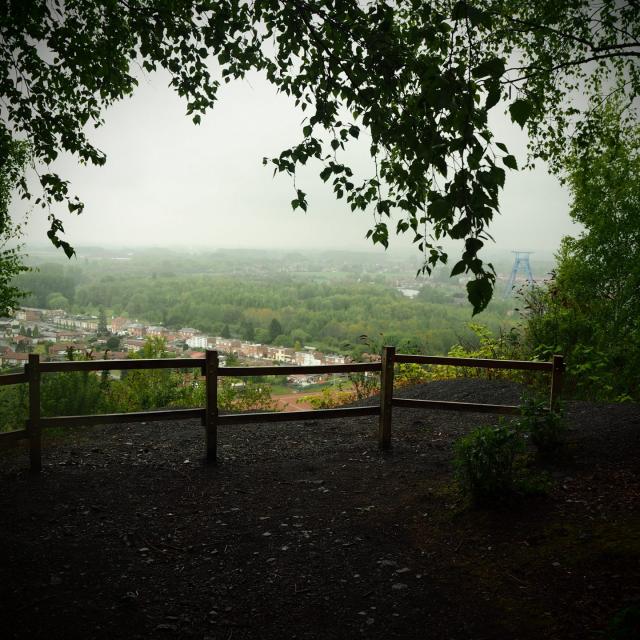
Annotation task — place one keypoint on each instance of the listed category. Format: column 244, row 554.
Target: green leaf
column 499, row 175
column 380, row 235
column 510, row 161
column 493, row 67
column 461, row 228
column 402, row 226
column 520, row 111
column 479, row 292
column 458, row 268
column 68, row 249
column 459, row 10
column 472, row 246
column 75, row 206
column 439, row 208
column 493, row 97
column 463, row 10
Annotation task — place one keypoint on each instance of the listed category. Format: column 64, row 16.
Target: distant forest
column 328, row 300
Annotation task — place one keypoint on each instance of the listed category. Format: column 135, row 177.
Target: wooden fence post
column 203, row 373
column 386, row 395
column 211, row 405
column 557, row 370
column 33, row 423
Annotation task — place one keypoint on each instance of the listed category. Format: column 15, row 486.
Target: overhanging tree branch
column 420, row 76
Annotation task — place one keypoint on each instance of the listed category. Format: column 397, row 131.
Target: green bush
column 545, row 428
column 485, row 462
column 626, row 624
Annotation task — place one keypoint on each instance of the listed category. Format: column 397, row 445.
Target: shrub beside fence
column 210, row 416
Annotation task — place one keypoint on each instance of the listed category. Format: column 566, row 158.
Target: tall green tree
column 420, row 77
column 275, row 329
column 248, row 330
column 591, row 309
column 103, row 329
column 11, row 261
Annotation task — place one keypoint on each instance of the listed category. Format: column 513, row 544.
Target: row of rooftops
column 63, row 332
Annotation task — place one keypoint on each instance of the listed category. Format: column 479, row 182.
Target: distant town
column 57, row 335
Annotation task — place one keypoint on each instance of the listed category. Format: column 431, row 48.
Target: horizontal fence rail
column 9, row 439
column 13, row 378
column 211, row 417
column 484, row 363
column 447, row 405
column 555, row 368
column 238, row 372
column 195, row 363
column 114, row 365
column 294, row 416
column 134, row 416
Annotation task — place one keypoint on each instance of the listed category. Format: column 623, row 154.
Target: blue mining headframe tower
column 520, row 263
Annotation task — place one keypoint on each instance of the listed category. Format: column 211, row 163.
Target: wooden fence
column 211, row 417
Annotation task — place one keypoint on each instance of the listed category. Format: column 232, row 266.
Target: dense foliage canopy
column 420, row 77
column 591, row 309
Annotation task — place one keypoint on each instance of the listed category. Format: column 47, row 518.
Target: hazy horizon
column 393, row 253
column 169, row 182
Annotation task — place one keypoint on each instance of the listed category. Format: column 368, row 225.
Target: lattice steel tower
column 520, row 263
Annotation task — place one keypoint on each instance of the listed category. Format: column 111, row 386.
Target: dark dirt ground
column 306, row 530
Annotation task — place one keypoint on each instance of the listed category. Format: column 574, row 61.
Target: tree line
column 281, row 310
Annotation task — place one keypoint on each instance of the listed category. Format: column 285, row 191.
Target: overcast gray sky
column 169, row 182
